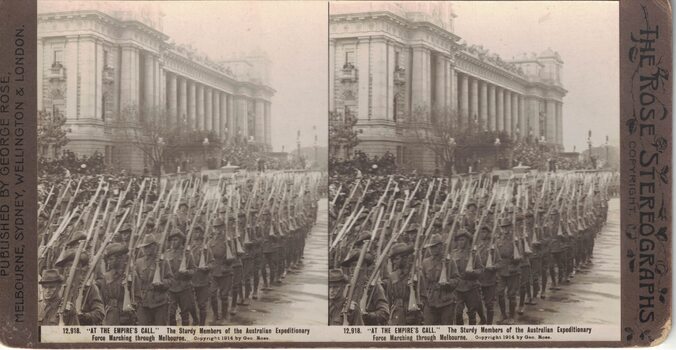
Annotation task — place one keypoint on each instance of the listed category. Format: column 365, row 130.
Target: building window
column 103, row 107
column 396, row 60
column 349, row 59
column 105, row 58
column 394, row 108
column 58, row 57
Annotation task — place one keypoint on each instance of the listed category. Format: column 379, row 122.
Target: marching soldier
column 152, row 276
column 399, row 286
column 200, row 278
column 439, row 297
column 221, row 270
column 467, row 291
column 112, row 286
column 508, row 271
column 180, row 289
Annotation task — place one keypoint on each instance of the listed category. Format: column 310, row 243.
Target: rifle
column 183, row 266
column 381, row 258
column 88, row 277
column 157, row 276
column 413, row 276
column 470, row 261
column 345, row 203
column 49, row 196
column 65, row 295
column 59, row 199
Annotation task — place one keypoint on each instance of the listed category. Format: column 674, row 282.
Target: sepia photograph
column 182, row 163
column 474, row 164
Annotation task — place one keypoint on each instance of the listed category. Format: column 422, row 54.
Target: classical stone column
column 200, row 107
column 208, row 108
column 98, row 81
column 148, row 82
column 243, row 116
column 483, row 103
column 259, row 121
column 534, row 117
column 379, row 78
column 550, row 122
column 500, row 105
column 363, row 68
column 391, row 66
column 268, row 124
column 523, row 118
column 463, row 114
column 224, row 116
column 216, row 113
column 183, row 102
column 440, row 83
column 157, row 86
column 420, row 80
column 508, row 112
column 87, row 78
column 559, row 123
column 332, row 74
column 492, row 115
column 515, row 114
column 231, row 116
column 453, row 90
column 173, row 102
column 192, row 105
column 474, row 106
column 129, row 78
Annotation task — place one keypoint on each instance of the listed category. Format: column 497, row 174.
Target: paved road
column 593, row 296
column 301, row 299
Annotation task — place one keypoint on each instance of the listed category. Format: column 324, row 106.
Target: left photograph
column 182, row 169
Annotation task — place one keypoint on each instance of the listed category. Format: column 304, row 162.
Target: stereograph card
column 187, row 174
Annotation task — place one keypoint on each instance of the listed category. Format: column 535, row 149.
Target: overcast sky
column 585, row 34
column 293, row 34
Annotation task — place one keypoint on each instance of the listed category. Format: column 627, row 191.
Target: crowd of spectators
column 542, row 157
column 71, row 163
column 361, row 163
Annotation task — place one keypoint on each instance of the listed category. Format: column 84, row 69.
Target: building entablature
column 101, row 25
column 394, row 27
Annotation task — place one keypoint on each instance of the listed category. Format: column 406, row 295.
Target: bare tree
column 342, row 134
column 52, row 133
column 160, row 138
column 451, row 136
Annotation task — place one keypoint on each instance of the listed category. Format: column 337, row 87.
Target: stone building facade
column 92, row 66
column 388, row 60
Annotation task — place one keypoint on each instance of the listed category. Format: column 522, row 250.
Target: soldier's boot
column 225, row 303
column 503, row 312
column 536, row 291
column 203, row 315
column 489, row 313
column 214, row 308
column 512, row 307
column 522, row 301
column 233, row 310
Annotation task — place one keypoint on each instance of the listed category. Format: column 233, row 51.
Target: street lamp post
column 497, row 146
column 205, row 144
column 589, row 143
column 451, row 149
column 607, row 153
column 160, row 145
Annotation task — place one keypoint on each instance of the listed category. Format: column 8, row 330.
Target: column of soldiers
column 138, row 251
column 432, row 251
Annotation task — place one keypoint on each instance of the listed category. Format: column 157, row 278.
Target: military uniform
column 152, row 300
column 439, row 299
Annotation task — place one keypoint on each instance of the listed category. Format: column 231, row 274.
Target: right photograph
column 473, row 160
